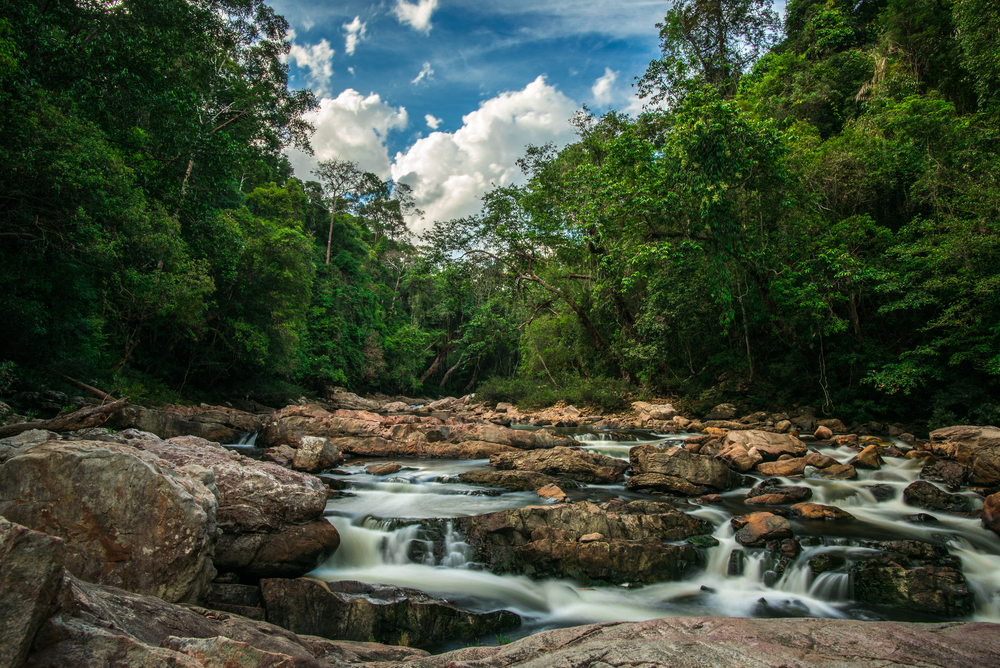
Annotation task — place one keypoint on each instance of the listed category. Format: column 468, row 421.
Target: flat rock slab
column 589, row 467
column 694, row 642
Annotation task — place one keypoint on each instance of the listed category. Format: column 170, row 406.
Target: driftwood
column 90, row 388
column 91, row 416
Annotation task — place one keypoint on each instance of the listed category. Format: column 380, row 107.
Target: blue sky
column 444, row 94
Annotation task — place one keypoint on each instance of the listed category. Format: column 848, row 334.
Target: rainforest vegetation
column 807, row 212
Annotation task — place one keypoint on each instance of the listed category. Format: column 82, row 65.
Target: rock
column 739, row 457
column 868, row 458
column 226, row 653
column 961, row 443
column 580, row 465
column 503, row 407
column 771, row 500
column 31, row 568
column 785, row 468
column 13, row 445
column 770, row 446
column 591, row 538
column 703, row 541
column 383, row 468
column 315, row 453
column 572, row 411
column 129, row 518
column 950, row 474
column 845, row 440
column 823, row 433
column 991, row 513
column 379, row 447
column 882, row 492
column 675, row 470
column 395, row 407
column 271, row 518
column 782, row 426
column 837, row 472
column 925, row 495
column 737, row 563
column 349, row 610
column 282, row 455
column 937, row 590
column 722, row 412
column 515, row 438
column 816, row 511
column 543, row 540
column 761, row 528
column 552, row 492
column 834, row 425
column 235, row 598
column 820, row 461
column 773, row 487
column 512, row 480
column 649, row 411
column 826, row 562
column 213, row 423
column 350, row 401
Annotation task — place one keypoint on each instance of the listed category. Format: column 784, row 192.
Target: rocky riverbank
column 144, row 538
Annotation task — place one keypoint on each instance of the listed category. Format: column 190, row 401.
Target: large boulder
column 991, row 513
column 376, row 446
column 737, row 643
column 271, row 518
column 516, row 438
column 589, row 467
column 935, row 590
column 648, row 411
column 770, row 446
column 129, row 518
column 288, row 425
column 758, row 528
column 31, row 573
column 315, row 453
column 13, row 445
column 214, row 423
column 512, row 480
column 348, row 610
column 533, row 540
column 926, row 495
column 674, row 470
column 976, row 447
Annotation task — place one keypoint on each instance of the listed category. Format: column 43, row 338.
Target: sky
column 444, row 95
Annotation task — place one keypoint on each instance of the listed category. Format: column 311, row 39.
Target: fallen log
column 91, row 416
column 90, row 388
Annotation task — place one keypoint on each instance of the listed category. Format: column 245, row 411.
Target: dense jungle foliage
column 807, row 212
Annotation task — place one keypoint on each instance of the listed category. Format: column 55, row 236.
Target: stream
column 375, row 548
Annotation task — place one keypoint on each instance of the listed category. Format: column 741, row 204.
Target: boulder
column 349, row 610
column 288, row 425
column 950, row 474
column 935, row 590
column 515, row 438
column 769, row 445
column 31, row 573
column 926, row 495
column 837, row 472
column 823, row 433
column 784, row 468
column 962, row 442
column 739, row 457
column 760, row 528
column 991, row 513
column 644, row 410
column 383, row 468
column 534, row 540
column 512, row 480
column 816, row 511
column 722, row 412
column 129, row 518
column 869, row 458
column 271, row 518
column 214, row 423
column 315, row 453
column 674, row 470
column 379, row 447
column 834, row 425
column 395, row 407
column 588, row 467
column 350, row 401
column 555, row 493
column 773, row 487
column 13, row 445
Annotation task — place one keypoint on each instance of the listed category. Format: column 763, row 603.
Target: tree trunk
column 91, row 416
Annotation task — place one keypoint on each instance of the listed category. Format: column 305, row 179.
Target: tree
column 710, row 42
column 339, row 179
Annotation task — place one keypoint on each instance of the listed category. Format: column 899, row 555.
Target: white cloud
column 449, row 172
column 351, row 70
column 355, row 33
column 353, row 127
column 432, row 122
column 308, row 23
column 603, row 88
column 317, row 58
column 426, row 72
column 418, row 16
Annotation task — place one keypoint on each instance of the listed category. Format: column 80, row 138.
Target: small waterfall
column 248, row 439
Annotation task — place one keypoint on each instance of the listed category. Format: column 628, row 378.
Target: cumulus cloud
column 432, row 122
column 425, row 73
column 449, row 172
column 353, row 127
column 418, row 16
column 317, row 58
column 355, row 33
column 603, row 88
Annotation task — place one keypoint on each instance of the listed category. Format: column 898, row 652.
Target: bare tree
column 339, row 179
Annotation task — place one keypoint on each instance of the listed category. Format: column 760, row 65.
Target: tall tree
column 339, row 179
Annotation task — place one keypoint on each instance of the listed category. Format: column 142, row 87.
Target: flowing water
column 379, row 546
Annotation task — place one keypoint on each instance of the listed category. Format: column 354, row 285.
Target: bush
column 528, row 393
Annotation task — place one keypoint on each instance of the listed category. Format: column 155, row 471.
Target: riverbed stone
column 991, row 513
column 552, row 492
column 349, row 610
column 962, row 442
column 926, row 495
column 31, row 568
column 769, row 445
column 13, row 445
column 949, row 473
column 869, row 458
column 817, row 511
column 823, row 433
column 129, row 518
column 774, row 486
column 837, row 472
column 502, row 539
column 739, row 457
column 376, row 446
column 648, row 411
column 760, row 528
column 383, row 468
column 315, row 453
column 935, row 590
column 588, row 467
column 785, row 468
column 214, row 423
column 722, row 412
column 674, row 470
column 513, row 480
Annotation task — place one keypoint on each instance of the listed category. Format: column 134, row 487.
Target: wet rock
column 816, row 511
column 785, row 468
column 703, row 541
column 838, row 472
column 580, row 465
column 882, row 492
column 315, row 453
column 213, row 423
column 925, row 495
column 934, row 590
column 761, row 528
column 783, row 426
column 553, row 492
column 282, row 455
column 722, row 412
column 771, row 500
column 991, row 513
column 869, row 458
column 512, row 480
column 773, row 486
column 710, row 499
column 515, row 438
column 129, row 518
column 823, row 434
column 820, row 461
column 922, row 517
column 781, row 608
column 31, row 568
column 845, row 440
column 769, row 445
column 383, row 468
column 907, row 551
column 654, row 411
column 543, row 540
column 737, row 563
column 271, row 518
column 348, row 610
column 826, row 562
column 676, row 471
column 951, row 474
